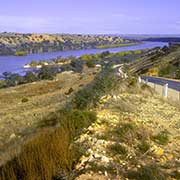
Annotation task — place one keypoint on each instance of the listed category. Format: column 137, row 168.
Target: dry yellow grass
column 17, row 119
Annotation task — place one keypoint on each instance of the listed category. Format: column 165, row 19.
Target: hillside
column 105, row 128
column 22, row 108
column 38, row 43
column 163, row 62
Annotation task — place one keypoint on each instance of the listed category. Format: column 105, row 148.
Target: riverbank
column 118, row 45
column 15, row 64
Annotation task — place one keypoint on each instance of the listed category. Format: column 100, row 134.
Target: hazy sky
column 91, row 16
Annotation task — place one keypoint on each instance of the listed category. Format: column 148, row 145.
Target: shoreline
column 97, row 47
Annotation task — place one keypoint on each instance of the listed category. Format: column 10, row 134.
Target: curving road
column 173, row 84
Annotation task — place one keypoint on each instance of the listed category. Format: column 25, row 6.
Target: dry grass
column 21, row 118
column 50, row 151
column 41, row 157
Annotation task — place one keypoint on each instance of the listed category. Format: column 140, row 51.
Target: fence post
column 165, row 91
column 139, row 80
column 146, row 81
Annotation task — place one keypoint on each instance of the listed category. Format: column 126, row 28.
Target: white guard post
column 165, row 91
column 139, row 80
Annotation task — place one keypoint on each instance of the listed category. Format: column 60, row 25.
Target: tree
column 104, row 54
column 48, row 72
column 30, row 77
column 13, row 80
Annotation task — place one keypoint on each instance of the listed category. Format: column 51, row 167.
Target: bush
column 90, row 64
column 177, row 73
column 167, row 70
column 13, row 79
column 90, row 95
column 104, row 54
column 47, row 73
column 150, row 172
column 24, row 100
column 118, row 149
column 77, row 65
column 20, row 53
column 30, row 77
column 124, row 131
column 161, row 138
column 144, row 146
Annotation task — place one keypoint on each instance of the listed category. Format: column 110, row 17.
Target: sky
column 90, row 16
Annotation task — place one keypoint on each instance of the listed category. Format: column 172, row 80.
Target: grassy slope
column 153, row 64
column 19, row 119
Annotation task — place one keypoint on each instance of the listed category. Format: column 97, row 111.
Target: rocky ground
column 136, row 136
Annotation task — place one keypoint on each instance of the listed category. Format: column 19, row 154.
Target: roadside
column 136, row 136
column 172, row 83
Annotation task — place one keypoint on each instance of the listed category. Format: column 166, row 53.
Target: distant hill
column 163, row 39
column 10, row 43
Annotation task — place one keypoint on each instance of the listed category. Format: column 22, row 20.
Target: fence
column 164, row 91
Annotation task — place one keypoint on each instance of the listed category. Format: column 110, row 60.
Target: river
column 15, row 63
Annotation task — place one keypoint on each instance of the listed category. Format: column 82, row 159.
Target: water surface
column 15, row 63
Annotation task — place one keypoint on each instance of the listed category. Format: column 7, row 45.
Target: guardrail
column 162, row 90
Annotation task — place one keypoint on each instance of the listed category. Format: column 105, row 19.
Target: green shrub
column 144, row 146
column 90, row 64
column 47, row 72
column 167, row 70
column 118, row 149
column 161, row 138
column 89, row 96
column 21, row 53
column 13, row 79
column 126, row 132
column 30, row 77
column 150, row 172
column 177, row 73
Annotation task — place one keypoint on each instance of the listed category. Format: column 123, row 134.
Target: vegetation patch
column 115, row 45
column 91, row 94
column 118, row 149
column 161, row 138
column 149, row 172
column 20, row 53
column 144, row 146
column 52, row 150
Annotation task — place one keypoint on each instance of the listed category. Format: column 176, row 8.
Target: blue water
column 15, row 63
